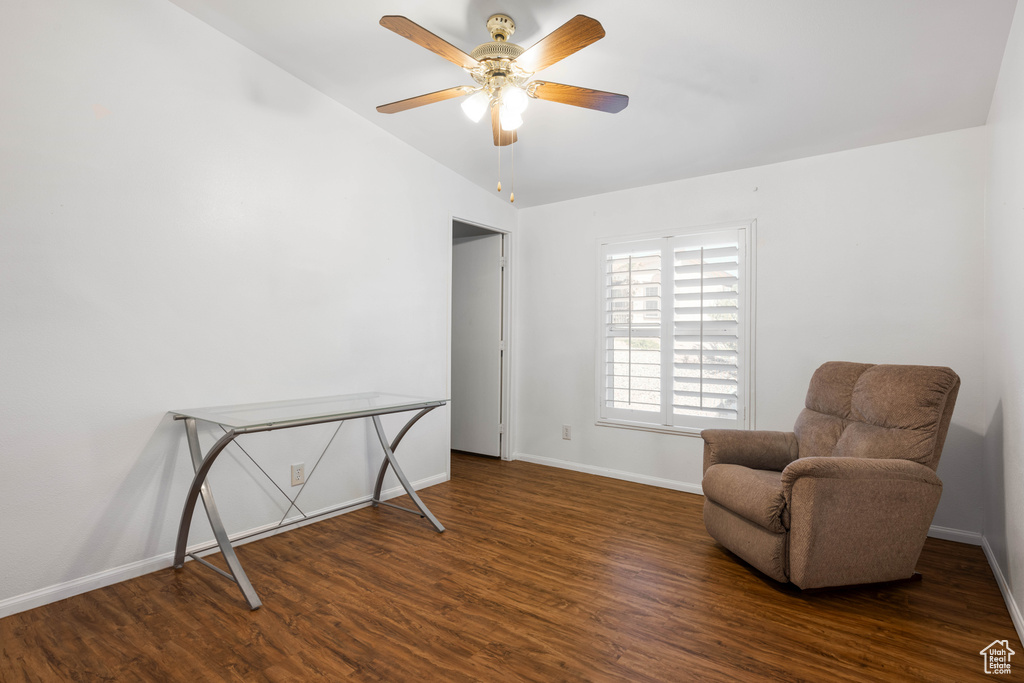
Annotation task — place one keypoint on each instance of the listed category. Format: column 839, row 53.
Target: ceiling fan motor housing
column 496, row 50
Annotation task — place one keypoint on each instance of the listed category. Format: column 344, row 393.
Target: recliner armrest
column 887, row 469
column 856, row 520
column 761, row 450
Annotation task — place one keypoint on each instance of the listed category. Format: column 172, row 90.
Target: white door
column 476, row 344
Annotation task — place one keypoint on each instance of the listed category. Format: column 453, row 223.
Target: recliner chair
column 848, row 496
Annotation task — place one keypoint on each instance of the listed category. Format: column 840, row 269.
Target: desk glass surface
column 283, row 412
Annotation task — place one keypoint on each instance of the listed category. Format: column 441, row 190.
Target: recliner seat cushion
column 756, row 495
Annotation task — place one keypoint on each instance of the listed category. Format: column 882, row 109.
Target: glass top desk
column 264, row 417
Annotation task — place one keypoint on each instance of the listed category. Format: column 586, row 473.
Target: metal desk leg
column 201, row 487
column 389, row 459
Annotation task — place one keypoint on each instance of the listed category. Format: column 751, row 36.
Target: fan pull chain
column 512, row 188
column 499, row 167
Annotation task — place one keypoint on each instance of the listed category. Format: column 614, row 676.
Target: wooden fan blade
column 424, row 38
column 570, row 37
column 501, row 137
column 419, row 101
column 579, row 97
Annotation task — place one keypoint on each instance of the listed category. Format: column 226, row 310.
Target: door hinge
column 501, row 262
column 501, row 429
column 501, row 345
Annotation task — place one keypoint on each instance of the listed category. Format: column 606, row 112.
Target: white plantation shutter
column 674, row 336
column 707, row 334
column 632, row 331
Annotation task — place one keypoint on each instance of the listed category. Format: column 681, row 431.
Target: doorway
column 479, row 323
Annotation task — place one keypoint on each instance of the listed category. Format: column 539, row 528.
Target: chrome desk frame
column 202, row 464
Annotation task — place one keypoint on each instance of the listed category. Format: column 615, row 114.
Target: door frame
column 507, row 412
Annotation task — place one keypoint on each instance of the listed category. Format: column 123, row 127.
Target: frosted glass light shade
column 515, row 99
column 509, row 119
column 476, row 105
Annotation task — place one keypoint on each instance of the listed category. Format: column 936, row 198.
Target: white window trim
column 748, row 230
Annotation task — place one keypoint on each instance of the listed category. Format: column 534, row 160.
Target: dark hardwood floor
column 543, row 575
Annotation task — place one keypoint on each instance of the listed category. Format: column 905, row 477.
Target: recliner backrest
column 877, row 411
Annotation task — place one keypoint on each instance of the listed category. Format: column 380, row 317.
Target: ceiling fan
column 503, row 72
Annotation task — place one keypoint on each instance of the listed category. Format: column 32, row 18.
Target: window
column 674, row 332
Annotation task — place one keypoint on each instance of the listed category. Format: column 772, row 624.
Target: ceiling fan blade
column 420, row 100
column 570, row 37
column 579, row 97
column 424, row 38
column 501, row 137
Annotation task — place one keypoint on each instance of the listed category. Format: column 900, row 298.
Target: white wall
column 1004, row 329
column 183, row 224
column 871, row 255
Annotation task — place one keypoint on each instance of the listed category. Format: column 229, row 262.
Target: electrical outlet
column 566, row 432
column 299, row 474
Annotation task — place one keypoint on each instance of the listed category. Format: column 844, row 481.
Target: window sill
column 643, row 427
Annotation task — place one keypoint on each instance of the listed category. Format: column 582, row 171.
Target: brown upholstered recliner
column 846, row 497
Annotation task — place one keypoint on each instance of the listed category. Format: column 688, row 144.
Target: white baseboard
column 108, row 577
column 1011, row 604
column 60, row 591
column 958, row 535
column 613, row 474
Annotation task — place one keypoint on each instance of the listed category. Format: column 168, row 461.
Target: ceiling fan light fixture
column 476, row 105
column 514, row 99
column 510, row 120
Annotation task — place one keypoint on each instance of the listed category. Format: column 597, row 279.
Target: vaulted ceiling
column 714, row 85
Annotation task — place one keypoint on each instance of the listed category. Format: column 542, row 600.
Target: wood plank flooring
column 542, row 575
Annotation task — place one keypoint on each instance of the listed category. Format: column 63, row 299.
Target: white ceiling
column 714, row 85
